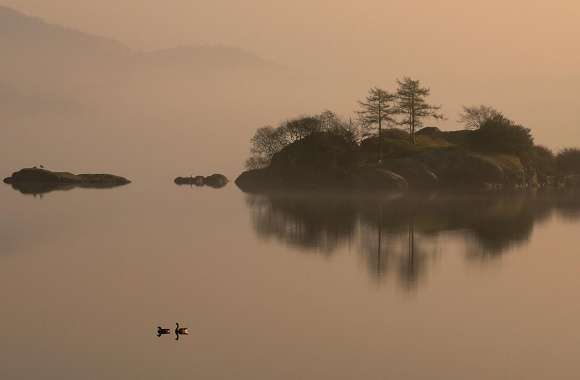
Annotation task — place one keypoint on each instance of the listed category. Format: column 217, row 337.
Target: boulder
column 216, row 180
column 458, row 167
column 417, row 174
column 429, row 131
column 373, row 178
column 197, row 181
column 320, row 160
column 319, row 152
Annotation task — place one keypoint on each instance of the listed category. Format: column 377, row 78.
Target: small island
column 217, row 181
column 491, row 152
column 39, row 180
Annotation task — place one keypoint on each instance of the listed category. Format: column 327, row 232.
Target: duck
column 180, row 331
column 162, row 331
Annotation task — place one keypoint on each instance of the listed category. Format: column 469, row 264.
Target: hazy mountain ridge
column 16, row 28
column 31, row 41
column 45, row 60
column 206, row 57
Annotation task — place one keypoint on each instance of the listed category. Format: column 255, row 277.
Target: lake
column 288, row 286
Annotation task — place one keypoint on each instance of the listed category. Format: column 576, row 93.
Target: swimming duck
column 162, row 331
column 180, row 331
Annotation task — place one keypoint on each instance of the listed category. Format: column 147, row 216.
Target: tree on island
column 265, row 143
column 299, row 128
column 475, row 116
column 412, row 104
column 269, row 140
column 376, row 109
column 501, row 135
column 492, row 131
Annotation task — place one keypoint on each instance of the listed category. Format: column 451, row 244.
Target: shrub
column 568, row 161
column 501, row 135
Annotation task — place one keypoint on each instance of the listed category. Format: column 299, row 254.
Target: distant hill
column 216, row 57
column 35, row 36
column 37, row 55
column 35, row 52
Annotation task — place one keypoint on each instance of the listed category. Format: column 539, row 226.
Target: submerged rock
column 38, row 181
column 215, row 180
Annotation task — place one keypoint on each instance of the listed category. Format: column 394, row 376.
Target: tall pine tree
column 377, row 109
column 412, row 104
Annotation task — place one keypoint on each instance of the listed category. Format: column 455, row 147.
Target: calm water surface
column 287, row 286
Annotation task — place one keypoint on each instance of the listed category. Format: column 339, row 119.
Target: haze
column 519, row 56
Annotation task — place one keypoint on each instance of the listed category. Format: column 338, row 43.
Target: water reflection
column 402, row 234
column 316, row 222
column 38, row 189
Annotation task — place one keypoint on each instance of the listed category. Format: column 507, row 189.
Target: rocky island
column 39, row 180
column 325, row 152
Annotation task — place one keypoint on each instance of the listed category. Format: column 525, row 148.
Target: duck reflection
column 402, row 234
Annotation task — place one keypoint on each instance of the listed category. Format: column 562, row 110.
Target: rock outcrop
column 331, row 162
column 215, row 180
column 320, row 161
column 416, row 173
column 38, row 180
column 459, row 167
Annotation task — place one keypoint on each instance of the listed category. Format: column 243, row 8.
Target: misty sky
column 534, row 33
column 518, row 55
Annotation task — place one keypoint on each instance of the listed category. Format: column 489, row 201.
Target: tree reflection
column 314, row 223
column 398, row 247
column 401, row 235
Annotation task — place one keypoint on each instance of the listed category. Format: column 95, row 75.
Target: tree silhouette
column 411, row 102
column 376, row 109
column 475, row 116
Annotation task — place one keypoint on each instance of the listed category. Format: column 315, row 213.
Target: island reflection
column 39, row 189
column 401, row 234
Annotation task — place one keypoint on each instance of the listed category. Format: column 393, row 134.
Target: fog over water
column 276, row 286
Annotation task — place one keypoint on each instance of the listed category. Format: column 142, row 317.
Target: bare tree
column 266, row 142
column 475, row 116
column 376, row 109
column 412, row 104
column 299, row 128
